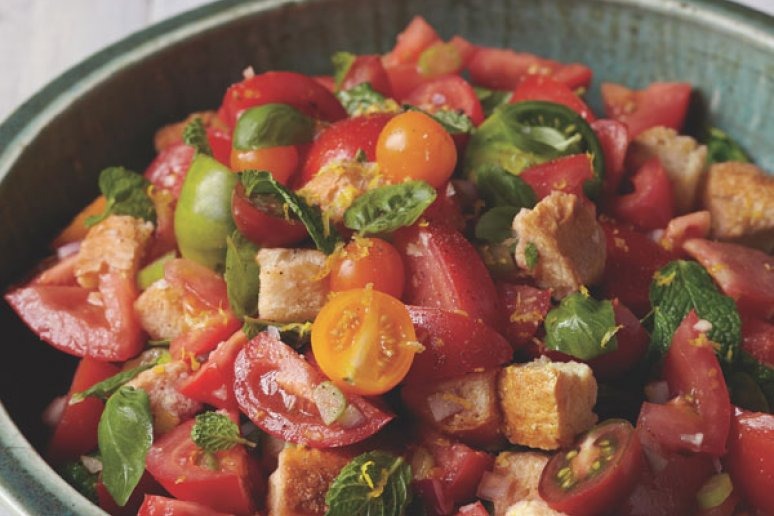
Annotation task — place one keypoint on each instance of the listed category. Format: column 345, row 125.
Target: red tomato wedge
column 545, row 87
column 154, row 505
column 76, row 431
column 220, row 142
column 613, row 137
column 65, row 318
column 448, row 92
column 745, row 274
column 300, row 91
column 758, row 340
column 455, row 344
column 178, row 465
column 660, row 104
column 262, row 228
column 443, row 270
column 273, row 385
column 526, row 307
column 213, row 383
column 632, row 344
column 750, row 458
column 686, row 227
column 566, row 174
column 415, row 38
column 368, row 69
column 651, row 204
column 169, row 168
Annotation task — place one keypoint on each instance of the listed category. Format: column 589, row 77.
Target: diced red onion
column 68, row 249
column 493, row 486
column 657, row 461
column 351, row 417
column 703, row 326
column 692, row 439
column 442, row 407
column 92, row 464
column 52, row 414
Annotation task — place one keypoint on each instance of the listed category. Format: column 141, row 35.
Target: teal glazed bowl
column 104, row 112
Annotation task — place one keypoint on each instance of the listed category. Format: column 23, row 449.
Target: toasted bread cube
column 117, row 244
column 569, row 241
column 336, row 186
column 740, row 199
column 523, row 469
column 293, row 284
column 683, row 159
column 546, row 404
column 532, row 508
column 302, row 478
column 161, row 311
column 465, row 407
column 168, row 405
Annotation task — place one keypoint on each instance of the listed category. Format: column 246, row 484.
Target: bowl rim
column 21, row 461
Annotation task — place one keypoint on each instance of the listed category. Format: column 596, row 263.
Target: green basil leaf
column 195, row 135
column 681, row 286
column 491, row 99
column 125, row 434
column 83, row 480
column 342, row 62
column 721, row 148
column 531, row 255
column 454, row 122
column 242, row 275
column 260, row 184
column 295, row 335
column 360, row 98
column 272, row 125
column 498, row 187
column 375, row 483
column 496, row 225
column 389, row 207
column 582, row 327
column 126, row 193
column 104, row 389
column 214, row 432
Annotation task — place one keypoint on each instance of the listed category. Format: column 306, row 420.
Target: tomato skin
column 566, row 174
column 758, row 339
column 455, row 344
column 154, row 505
column 473, row 509
column 545, row 87
column 342, row 140
column 448, row 92
column 220, row 142
column 169, row 168
column 750, row 458
column 266, row 361
column 415, row 38
column 607, row 488
column 633, row 343
column 404, row 78
column 173, row 462
column 281, row 161
column 382, row 267
column 213, row 383
column 368, row 69
column 613, row 137
column 76, row 432
column 443, row 270
column 262, row 228
column 525, row 309
column 651, row 204
column 295, row 89
column 446, row 210
column 660, row 104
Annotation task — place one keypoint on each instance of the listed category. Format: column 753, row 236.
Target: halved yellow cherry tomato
column 364, row 341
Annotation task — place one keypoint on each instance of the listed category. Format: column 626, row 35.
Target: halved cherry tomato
column 613, row 137
column 525, row 309
column 597, row 473
column 368, row 261
column 660, row 104
column 261, row 227
column 545, row 87
column 750, row 457
column 181, row 468
column 368, row 69
column 449, row 92
column 213, row 383
column 363, row 340
column 566, row 174
column 281, row 161
column 404, row 78
column 169, row 168
column 414, row 146
column 651, row 205
column 273, row 385
column 416, row 37
column 154, row 505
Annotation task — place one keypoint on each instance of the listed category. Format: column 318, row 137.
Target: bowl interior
column 104, row 112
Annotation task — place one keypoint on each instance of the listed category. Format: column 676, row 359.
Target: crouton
column 465, row 407
column 570, row 244
column 523, row 470
column 336, row 186
column 293, row 286
column 532, row 508
column 117, row 244
column 740, row 198
column 161, row 311
column 301, row 480
column 168, row 406
column 546, row 404
column 172, row 134
column 683, row 159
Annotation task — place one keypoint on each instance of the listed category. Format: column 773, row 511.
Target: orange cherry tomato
column 368, row 260
column 364, row 341
column 414, row 146
column 282, row 161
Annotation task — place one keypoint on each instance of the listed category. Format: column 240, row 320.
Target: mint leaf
column 582, row 327
column 242, row 275
column 214, row 432
column 295, row 335
column 342, row 62
column 531, row 255
column 125, row 434
column 389, row 207
column 360, row 98
column 195, row 135
column 373, row 483
column 104, row 389
column 83, row 480
column 498, row 187
column 496, row 225
column 126, row 193
column 682, row 285
column 721, row 148
column 261, row 184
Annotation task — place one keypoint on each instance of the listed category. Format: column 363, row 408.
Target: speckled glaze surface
column 104, row 112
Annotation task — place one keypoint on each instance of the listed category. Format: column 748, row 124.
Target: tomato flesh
column 368, row 69
column 450, row 92
column 154, row 505
column 660, row 104
column 545, row 87
column 213, row 383
column 651, row 204
column 750, row 457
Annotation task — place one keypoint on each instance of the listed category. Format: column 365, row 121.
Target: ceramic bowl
column 104, row 112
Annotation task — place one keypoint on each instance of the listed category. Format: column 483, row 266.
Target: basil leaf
column 83, row 480
column 581, row 327
column 721, row 148
column 260, row 184
column 126, row 193
column 375, row 483
column 454, row 122
column 104, row 389
column 389, row 207
column 361, row 98
column 125, row 434
column 531, row 255
column 272, row 125
column 195, row 135
column 242, row 275
column 496, row 225
column 682, row 285
column 342, row 62
column 295, row 335
column 491, row 99
column 498, row 187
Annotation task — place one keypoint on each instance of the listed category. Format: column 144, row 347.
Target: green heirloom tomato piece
column 154, row 271
column 518, row 136
column 203, row 214
column 272, row 125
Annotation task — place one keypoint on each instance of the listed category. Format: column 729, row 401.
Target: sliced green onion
column 715, row 491
column 330, row 402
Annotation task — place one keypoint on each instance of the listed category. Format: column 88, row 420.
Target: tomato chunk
column 651, row 204
column 660, row 104
column 545, row 87
column 526, row 307
column 750, row 457
column 213, row 383
column 566, row 174
column 613, row 137
column 416, row 37
column 368, row 69
column 169, row 168
column 154, row 505
column 451, row 92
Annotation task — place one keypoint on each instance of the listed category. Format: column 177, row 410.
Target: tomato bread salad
column 435, row 282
